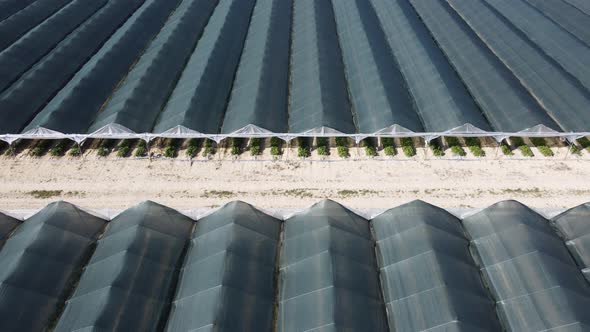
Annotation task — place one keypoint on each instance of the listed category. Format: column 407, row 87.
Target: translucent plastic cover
column 41, row 262
column 533, row 278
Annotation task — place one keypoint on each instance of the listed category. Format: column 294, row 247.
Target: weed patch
column 45, row 193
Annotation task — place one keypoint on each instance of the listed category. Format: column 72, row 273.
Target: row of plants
column 170, row 147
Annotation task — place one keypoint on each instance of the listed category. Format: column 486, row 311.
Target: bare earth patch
column 118, row 184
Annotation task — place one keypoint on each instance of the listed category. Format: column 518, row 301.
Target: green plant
column 575, row 150
column 545, row 151
column 343, row 151
column 171, row 149
column 275, row 151
column 322, row 141
column 370, row 151
column 541, row 145
column 302, row 152
column 455, row 146
column 524, row 149
column 123, row 148
column 104, row 148
column 102, row 151
column 458, row 151
column 388, row 146
column 141, row 149
column 302, row 147
column 11, row 151
column 255, row 146
column 192, row 147
column 236, row 146
column 275, row 146
column 58, row 149
column 39, row 148
column 389, row 150
column 323, row 146
column 407, row 146
column 506, row 149
column 584, row 143
column 207, row 147
column 436, row 148
column 342, row 141
column 275, row 141
column 323, row 150
column 474, row 145
column 369, row 145
column 75, row 150
column 387, row 141
column 342, row 147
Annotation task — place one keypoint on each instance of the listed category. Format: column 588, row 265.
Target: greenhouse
column 80, row 69
column 414, row 267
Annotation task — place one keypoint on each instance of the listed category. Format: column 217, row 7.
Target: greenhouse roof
column 415, row 267
column 257, row 68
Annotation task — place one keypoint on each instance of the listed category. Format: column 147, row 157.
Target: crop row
column 304, row 146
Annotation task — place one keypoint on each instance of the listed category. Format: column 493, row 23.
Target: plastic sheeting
column 572, row 54
column 560, row 94
column 146, row 275
column 33, row 46
column 10, row 7
column 17, row 25
column 141, row 96
column 441, row 98
column 21, row 102
column 40, row 263
column 196, row 102
column 574, row 225
column 328, row 273
column 532, row 276
column 569, row 17
column 7, row 225
column 128, row 283
column 359, row 68
column 505, row 102
column 228, row 277
column 260, row 91
column 428, row 276
column 377, row 88
column 76, row 105
column 582, row 5
column 318, row 94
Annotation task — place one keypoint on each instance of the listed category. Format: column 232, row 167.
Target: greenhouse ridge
column 81, row 69
column 412, row 268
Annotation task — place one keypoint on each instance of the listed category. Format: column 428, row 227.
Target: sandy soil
column 558, row 182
